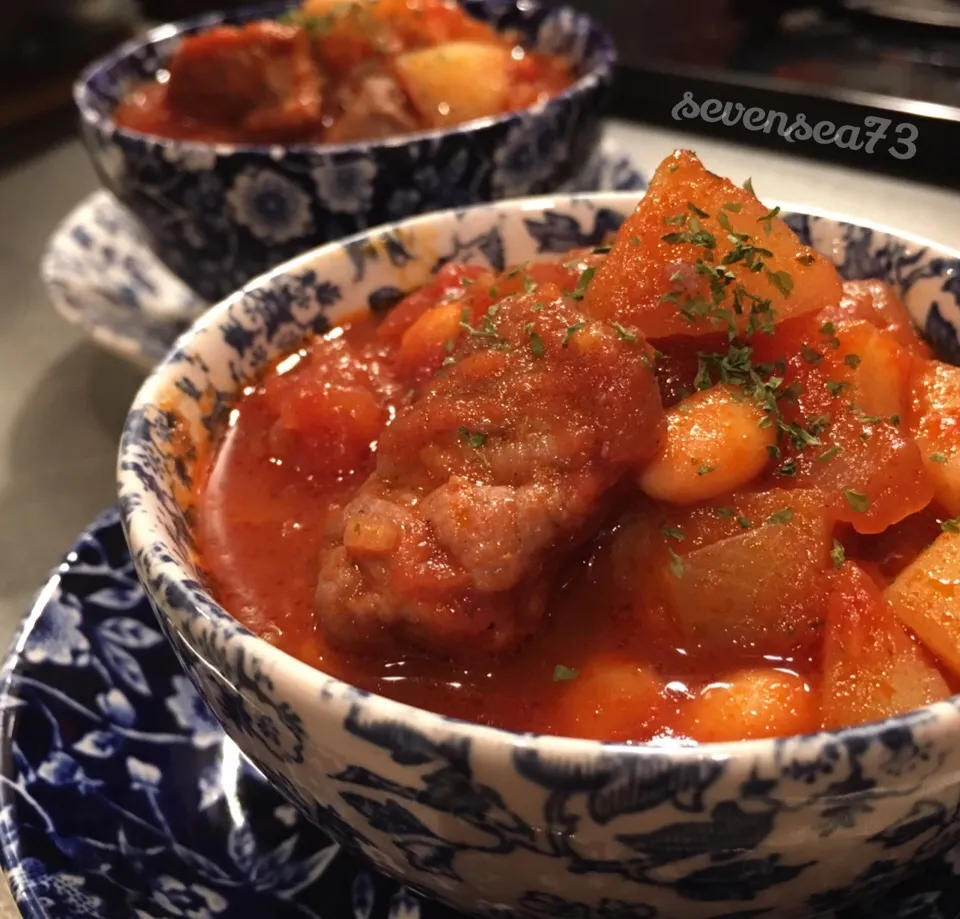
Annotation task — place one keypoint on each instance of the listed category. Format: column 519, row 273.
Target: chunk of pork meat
column 503, row 463
column 260, row 77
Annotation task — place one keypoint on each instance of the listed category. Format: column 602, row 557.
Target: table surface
column 62, row 402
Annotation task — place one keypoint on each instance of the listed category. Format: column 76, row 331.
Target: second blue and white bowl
column 221, row 214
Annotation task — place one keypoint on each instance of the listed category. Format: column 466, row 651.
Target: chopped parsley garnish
column 810, row 355
column 536, row 342
column 806, row 258
column 767, row 220
column 676, row 563
column 837, row 555
column 636, row 242
column 623, row 333
column 774, row 451
column 782, row 281
column 938, row 457
column 487, row 328
column 852, row 361
column 784, row 515
column 706, row 470
column 466, row 282
column 602, row 250
column 723, row 511
column 673, row 533
column 474, row 438
column 731, row 206
column 583, row 283
column 835, row 387
column 951, row 526
column 697, row 210
column 789, row 469
column 744, row 522
column 562, row 673
column 536, row 307
column 857, row 500
column 829, row 454
column 494, row 292
column 529, row 285
column 571, row 331
column 748, row 186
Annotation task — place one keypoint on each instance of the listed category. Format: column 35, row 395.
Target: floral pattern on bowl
column 102, row 276
column 128, row 802
column 219, row 215
column 485, row 819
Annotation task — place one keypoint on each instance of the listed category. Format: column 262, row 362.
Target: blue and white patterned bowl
column 221, row 214
column 507, row 824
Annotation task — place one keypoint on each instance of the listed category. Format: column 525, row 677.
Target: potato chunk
column 926, row 597
column 455, row 82
column 872, row 669
column 762, row 589
column 935, row 425
column 664, row 267
column 611, row 699
column 761, row 702
column 713, row 445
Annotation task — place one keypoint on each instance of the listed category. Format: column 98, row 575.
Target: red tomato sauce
column 399, row 505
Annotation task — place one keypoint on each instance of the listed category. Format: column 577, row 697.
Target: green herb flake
column 529, row 285
column 938, row 457
column 723, row 511
column 673, row 533
column 474, row 438
column 583, row 283
column 774, row 451
column 785, row 515
column 782, row 281
column 852, row 361
column 623, row 333
column 806, row 257
column 829, row 454
column 635, row 242
column 698, row 211
column 858, row 501
column 536, row 342
column 733, row 208
column 767, row 220
column 788, row 470
column 837, row 554
column 951, row 526
column 744, row 522
column 706, row 470
column 562, row 673
column 748, row 186
column 676, row 563
column 602, row 250
column 835, row 387
column 571, row 331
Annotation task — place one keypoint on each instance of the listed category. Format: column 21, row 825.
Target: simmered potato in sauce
column 685, row 487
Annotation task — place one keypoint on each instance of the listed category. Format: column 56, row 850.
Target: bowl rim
column 601, row 72
column 142, row 534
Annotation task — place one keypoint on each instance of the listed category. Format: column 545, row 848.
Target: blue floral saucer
column 102, row 276
column 120, row 796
